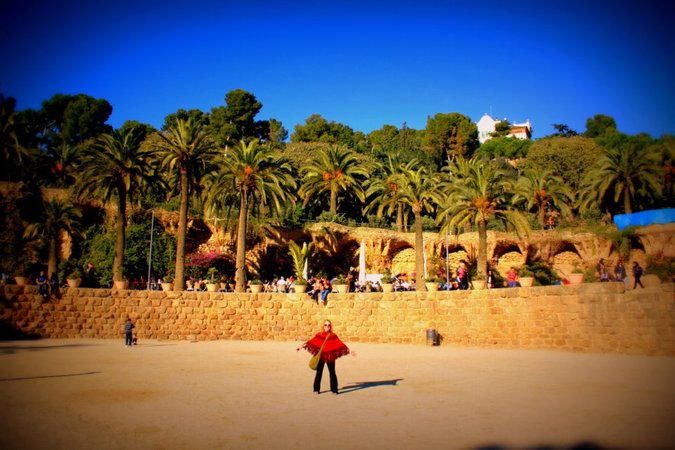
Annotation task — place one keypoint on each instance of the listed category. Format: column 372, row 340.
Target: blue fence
column 644, row 218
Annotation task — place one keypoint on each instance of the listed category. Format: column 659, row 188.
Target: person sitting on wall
column 512, row 277
column 42, row 284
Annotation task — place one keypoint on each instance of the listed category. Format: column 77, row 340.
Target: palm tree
column 385, row 190
column 184, row 150
column 540, row 189
column 418, row 189
column 10, row 147
column 476, row 191
column 115, row 168
column 58, row 217
column 333, row 170
column 627, row 170
column 65, row 161
column 299, row 255
column 258, row 178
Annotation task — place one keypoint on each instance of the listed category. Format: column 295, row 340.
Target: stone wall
column 595, row 317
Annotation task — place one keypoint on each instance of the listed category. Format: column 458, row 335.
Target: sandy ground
column 99, row 394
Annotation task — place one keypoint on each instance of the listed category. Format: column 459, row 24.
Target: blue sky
column 364, row 64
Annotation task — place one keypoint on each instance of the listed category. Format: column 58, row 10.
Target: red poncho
column 332, row 350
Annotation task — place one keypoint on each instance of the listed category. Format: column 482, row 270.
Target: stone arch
column 565, row 246
column 403, row 261
column 456, row 252
column 566, row 257
column 507, row 254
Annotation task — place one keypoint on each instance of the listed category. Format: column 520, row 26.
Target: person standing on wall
column 333, row 348
column 620, row 273
column 54, row 285
column 90, row 280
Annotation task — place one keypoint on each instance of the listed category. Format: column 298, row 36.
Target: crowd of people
column 319, row 287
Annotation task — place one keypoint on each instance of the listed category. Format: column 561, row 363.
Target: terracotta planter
column 387, row 287
column 576, row 278
column 431, row 287
column 73, row 282
column 526, row 281
column 121, row 285
column 211, row 287
column 342, row 288
column 167, row 286
column 300, row 288
column 256, row 288
column 21, row 281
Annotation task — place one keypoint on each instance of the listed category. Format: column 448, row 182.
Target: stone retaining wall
column 595, row 317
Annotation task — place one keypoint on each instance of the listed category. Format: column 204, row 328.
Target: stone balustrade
column 593, row 317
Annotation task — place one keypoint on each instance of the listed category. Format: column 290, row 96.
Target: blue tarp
column 644, row 218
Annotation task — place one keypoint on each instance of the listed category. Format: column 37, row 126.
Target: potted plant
column 577, row 275
column 525, row 276
column 300, row 285
column 74, row 279
column 256, row 286
column 212, row 274
column 387, row 281
column 479, row 282
column 167, row 283
column 341, row 284
column 23, row 277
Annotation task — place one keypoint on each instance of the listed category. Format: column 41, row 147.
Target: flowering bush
column 198, row 264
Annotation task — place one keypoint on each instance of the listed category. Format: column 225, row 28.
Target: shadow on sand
column 579, row 446
column 368, row 384
column 49, row 376
column 9, row 349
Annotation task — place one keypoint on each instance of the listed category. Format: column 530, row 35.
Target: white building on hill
column 487, row 125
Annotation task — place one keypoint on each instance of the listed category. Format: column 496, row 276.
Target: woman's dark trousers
column 331, row 372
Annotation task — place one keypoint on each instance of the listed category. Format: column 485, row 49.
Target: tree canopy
column 448, row 136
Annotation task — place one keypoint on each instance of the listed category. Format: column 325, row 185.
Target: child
column 128, row 332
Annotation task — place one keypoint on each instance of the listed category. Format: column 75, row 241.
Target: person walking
column 333, row 348
column 637, row 274
column 128, row 332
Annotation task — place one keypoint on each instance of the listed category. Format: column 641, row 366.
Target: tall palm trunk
column 119, row 240
column 541, row 215
column 179, row 281
column 52, row 262
column 482, row 249
column 240, row 264
column 626, row 202
column 333, row 200
column 399, row 217
column 419, row 252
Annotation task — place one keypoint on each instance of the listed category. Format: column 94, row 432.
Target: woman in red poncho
column 332, row 350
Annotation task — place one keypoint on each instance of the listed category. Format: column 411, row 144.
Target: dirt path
column 85, row 394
